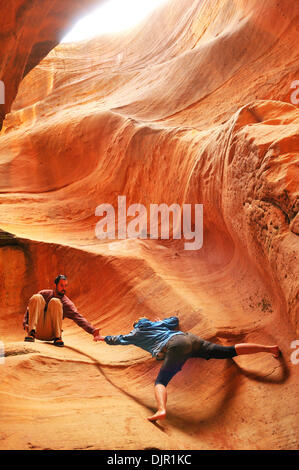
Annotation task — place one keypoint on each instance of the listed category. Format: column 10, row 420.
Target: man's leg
column 161, row 399
column 253, row 348
column 178, row 351
column 209, row 350
column 36, row 312
column 52, row 322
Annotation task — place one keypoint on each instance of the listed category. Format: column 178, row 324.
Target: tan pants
column 47, row 325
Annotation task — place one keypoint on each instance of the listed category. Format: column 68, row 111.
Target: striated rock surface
column 193, row 106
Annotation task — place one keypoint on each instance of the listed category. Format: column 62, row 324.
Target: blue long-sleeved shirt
column 148, row 335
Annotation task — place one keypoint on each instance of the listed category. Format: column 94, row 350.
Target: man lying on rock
column 46, row 310
column 175, row 347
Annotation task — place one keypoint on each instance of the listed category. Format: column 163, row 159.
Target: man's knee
column 54, row 302
column 162, row 381
column 166, row 374
column 36, row 297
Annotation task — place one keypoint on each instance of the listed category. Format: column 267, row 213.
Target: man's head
column 61, row 284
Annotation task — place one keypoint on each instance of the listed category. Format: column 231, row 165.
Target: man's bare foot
column 161, row 414
column 276, row 351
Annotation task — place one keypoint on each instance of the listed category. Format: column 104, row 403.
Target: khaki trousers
column 47, row 325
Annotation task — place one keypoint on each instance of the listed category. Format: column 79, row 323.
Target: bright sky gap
column 111, row 17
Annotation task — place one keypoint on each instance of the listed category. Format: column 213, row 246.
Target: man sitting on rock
column 46, row 310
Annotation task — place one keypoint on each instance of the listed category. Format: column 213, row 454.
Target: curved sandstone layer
column 191, row 107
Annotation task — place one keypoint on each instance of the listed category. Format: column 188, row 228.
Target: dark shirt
column 68, row 307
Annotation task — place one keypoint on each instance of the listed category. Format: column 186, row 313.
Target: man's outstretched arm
column 119, row 339
column 71, row 312
column 83, row 323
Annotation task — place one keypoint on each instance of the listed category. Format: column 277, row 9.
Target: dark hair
column 60, row 276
